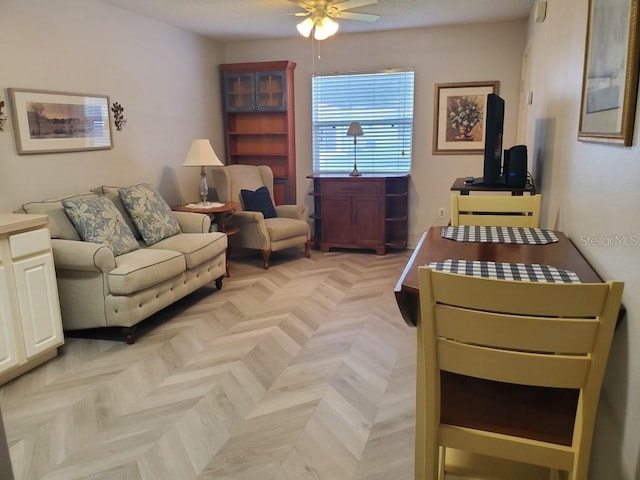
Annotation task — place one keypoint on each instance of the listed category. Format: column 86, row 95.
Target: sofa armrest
column 78, row 255
column 191, row 222
column 291, row 211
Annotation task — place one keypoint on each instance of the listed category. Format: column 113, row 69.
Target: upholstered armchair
column 287, row 226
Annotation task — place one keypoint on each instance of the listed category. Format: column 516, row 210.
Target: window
column 383, row 104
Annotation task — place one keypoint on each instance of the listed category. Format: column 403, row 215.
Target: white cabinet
column 30, row 321
column 8, row 345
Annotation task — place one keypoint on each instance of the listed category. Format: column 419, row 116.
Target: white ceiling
column 230, row 20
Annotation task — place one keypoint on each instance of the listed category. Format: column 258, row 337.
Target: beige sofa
column 99, row 289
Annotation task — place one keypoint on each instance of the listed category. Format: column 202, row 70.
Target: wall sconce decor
column 3, row 116
column 118, row 117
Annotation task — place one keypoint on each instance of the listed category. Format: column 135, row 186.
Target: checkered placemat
column 524, row 272
column 472, row 233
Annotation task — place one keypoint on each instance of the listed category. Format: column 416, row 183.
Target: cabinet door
column 239, row 92
column 271, row 91
column 38, row 303
column 337, row 224
column 8, row 345
column 369, row 222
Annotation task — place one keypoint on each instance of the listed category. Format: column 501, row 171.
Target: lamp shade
column 325, row 27
column 306, row 26
column 201, row 154
column 355, row 130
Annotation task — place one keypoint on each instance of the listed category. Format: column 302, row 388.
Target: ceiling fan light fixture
column 306, row 26
column 325, row 27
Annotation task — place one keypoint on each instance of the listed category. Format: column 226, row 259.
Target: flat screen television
column 492, row 168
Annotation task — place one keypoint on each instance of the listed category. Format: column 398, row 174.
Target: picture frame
column 53, row 122
column 459, row 117
column 610, row 75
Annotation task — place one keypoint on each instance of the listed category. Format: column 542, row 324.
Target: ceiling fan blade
column 363, row 17
column 307, row 5
column 348, row 4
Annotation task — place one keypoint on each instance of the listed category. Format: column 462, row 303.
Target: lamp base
column 355, row 172
column 204, row 188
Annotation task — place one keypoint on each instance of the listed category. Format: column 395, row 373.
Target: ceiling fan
column 320, row 14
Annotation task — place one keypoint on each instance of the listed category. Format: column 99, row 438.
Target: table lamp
column 201, row 155
column 355, row 130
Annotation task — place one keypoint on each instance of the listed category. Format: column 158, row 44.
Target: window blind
column 383, row 104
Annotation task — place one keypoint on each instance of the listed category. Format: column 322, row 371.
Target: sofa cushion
column 281, row 228
column 149, row 212
column 196, row 247
column 144, row 268
column 97, row 220
column 113, row 194
column 60, row 225
column 258, row 201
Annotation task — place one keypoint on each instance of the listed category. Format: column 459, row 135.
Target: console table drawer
column 349, row 187
column 28, row 243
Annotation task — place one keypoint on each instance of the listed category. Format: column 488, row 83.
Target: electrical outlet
column 441, row 212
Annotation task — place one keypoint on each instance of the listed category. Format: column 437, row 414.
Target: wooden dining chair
column 510, row 369
column 496, row 210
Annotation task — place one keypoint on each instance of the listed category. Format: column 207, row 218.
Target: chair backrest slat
column 511, row 366
column 525, row 298
column 532, row 333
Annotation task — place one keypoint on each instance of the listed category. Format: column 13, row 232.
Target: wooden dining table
column 432, row 247
column 505, row 410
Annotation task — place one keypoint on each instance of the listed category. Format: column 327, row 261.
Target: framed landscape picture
column 50, row 122
column 610, row 79
column 459, row 117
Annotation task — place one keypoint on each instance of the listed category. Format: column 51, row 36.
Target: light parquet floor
column 304, row 371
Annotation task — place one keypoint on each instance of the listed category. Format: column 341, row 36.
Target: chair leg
column 265, row 257
column 442, row 461
column 555, row 474
column 307, row 253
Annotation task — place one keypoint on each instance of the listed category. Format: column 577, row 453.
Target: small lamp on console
column 355, row 130
column 201, row 155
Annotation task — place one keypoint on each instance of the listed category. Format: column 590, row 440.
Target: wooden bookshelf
column 259, row 120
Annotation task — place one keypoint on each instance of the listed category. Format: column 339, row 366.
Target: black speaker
column 515, row 166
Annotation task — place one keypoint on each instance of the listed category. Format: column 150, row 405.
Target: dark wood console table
column 368, row 211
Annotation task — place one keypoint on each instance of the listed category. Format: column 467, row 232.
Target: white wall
column 591, row 193
column 166, row 80
column 439, row 55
